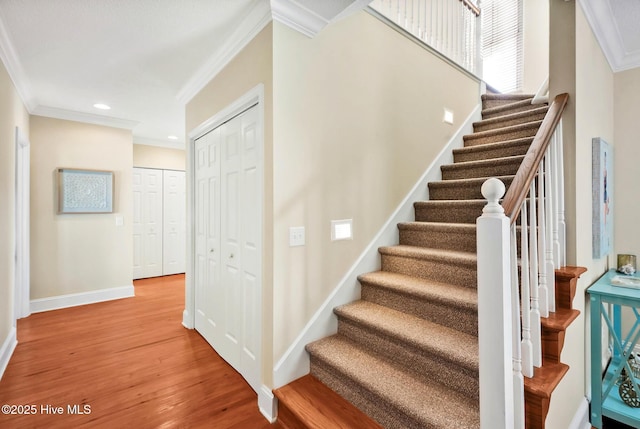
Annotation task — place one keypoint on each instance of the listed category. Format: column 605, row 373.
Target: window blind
column 502, row 44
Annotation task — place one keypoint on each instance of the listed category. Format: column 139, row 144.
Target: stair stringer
column 295, row 362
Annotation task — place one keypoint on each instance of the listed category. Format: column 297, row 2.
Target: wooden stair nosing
column 308, row 403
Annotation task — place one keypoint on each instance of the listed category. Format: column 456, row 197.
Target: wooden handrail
column 472, row 7
column 519, row 188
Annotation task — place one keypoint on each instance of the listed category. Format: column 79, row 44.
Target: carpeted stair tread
column 457, row 211
column 504, row 166
column 493, row 109
column 536, row 113
column 450, row 266
column 493, row 150
column 512, row 132
column 438, row 235
column 461, row 189
column 450, row 256
column 428, row 290
column 414, row 404
column 492, row 100
column 448, row 344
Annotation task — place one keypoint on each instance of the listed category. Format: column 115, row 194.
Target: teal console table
column 607, row 301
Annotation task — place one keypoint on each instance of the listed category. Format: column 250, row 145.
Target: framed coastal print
column 602, row 192
column 84, row 191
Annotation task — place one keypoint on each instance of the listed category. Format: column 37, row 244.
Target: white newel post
column 494, row 311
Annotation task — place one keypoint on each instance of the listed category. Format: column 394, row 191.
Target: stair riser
column 457, row 172
column 516, row 149
column 427, row 212
column 474, row 140
column 470, row 191
column 368, row 402
column 446, row 240
column 483, row 126
column 437, row 270
column 464, row 320
column 513, row 109
column 421, row 363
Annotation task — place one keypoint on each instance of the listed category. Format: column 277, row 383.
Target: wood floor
column 125, row 364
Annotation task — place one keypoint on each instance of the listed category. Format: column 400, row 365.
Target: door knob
column 212, row 250
column 231, row 256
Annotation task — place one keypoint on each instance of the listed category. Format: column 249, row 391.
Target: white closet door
column 228, row 215
column 208, row 302
column 174, row 226
column 147, row 223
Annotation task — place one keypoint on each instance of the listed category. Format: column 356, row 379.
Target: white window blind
column 502, row 44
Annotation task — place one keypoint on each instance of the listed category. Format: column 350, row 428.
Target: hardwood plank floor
column 127, row 364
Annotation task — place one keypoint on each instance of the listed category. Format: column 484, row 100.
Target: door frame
column 253, row 96
column 22, row 220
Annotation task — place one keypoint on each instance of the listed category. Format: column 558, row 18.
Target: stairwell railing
column 516, row 275
column 451, row 27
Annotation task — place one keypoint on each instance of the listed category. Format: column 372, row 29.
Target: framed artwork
column 602, row 192
column 85, row 191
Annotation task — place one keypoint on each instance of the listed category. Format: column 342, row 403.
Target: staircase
column 406, row 354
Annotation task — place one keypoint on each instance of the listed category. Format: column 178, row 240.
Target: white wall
column 76, row 253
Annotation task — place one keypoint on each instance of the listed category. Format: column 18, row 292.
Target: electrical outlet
column 296, row 236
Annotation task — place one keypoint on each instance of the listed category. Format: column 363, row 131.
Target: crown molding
column 297, row 17
column 72, row 115
column 604, row 27
column 158, row 143
column 249, row 28
column 14, row 68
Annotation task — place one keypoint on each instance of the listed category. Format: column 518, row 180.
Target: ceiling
column 147, row 58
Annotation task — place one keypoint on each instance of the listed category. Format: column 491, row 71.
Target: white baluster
column 562, row 234
column 533, row 275
column 549, row 265
column 518, row 378
column 525, row 296
column 541, row 233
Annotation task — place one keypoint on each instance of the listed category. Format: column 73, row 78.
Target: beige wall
column 158, row 157
column 76, row 253
column 536, row 44
column 357, row 119
column 252, row 66
column 594, row 117
column 627, row 173
column 12, row 115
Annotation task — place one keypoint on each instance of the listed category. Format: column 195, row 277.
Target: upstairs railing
column 520, row 243
column 451, row 27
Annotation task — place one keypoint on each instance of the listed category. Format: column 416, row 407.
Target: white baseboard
column 6, row 351
column 581, row 418
column 83, row 298
column 295, row 361
column 187, row 320
column 268, row 404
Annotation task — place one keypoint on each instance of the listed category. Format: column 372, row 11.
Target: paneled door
column 228, row 200
column 147, row 223
column 174, row 247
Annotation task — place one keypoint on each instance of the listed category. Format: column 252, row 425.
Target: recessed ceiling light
column 101, row 106
column 172, row 137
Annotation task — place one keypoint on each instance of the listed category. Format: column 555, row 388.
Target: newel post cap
column 492, row 190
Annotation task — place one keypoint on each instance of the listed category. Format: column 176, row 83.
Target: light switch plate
column 119, row 220
column 296, row 236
